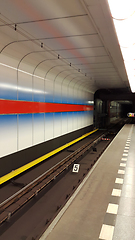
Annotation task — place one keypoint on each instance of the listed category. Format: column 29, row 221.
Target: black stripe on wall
column 20, row 158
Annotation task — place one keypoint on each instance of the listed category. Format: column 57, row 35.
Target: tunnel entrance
column 110, row 105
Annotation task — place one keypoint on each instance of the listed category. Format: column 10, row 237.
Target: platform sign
column 76, row 168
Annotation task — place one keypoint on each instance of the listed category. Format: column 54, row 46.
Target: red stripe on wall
column 16, row 107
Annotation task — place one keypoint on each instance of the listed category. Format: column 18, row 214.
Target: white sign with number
column 76, row 168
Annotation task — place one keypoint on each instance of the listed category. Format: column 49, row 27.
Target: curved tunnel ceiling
column 74, row 40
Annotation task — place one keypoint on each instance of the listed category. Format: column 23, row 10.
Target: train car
column 131, row 114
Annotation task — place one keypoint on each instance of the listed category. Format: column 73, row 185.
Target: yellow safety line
column 27, row 166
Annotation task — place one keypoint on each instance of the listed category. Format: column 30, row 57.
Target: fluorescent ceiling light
column 123, row 14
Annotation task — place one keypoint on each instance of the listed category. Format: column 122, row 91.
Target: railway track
column 15, row 202
column 49, row 190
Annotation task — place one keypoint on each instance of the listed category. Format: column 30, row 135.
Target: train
column 131, row 114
